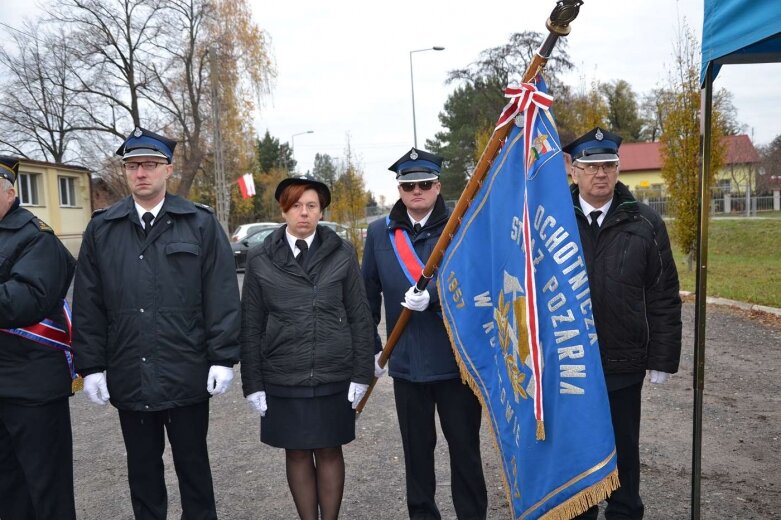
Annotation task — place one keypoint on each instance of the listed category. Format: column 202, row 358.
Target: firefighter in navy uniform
column 156, row 318
column 426, row 379
column 634, row 293
column 36, row 449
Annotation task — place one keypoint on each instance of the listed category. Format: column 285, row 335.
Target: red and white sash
column 47, row 333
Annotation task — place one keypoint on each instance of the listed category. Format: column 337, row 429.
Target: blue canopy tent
column 733, row 31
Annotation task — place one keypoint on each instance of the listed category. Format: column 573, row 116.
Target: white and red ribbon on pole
column 527, row 100
column 521, row 98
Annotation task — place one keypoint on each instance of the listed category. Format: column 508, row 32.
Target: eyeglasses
column 593, row 168
column 410, row 186
column 147, row 165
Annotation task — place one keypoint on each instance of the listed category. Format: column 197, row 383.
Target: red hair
column 293, row 192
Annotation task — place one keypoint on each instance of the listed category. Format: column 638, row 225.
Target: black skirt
column 302, row 418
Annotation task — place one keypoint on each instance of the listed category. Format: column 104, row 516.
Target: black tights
column 316, row 478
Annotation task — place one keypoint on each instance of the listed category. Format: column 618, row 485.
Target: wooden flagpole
column 558, row 25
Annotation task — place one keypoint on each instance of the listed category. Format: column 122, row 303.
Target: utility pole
column 221, row 192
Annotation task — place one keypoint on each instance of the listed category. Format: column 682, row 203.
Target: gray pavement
column 249, row 477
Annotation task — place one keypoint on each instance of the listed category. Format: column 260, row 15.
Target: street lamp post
column 293, row 142
column 412, row 84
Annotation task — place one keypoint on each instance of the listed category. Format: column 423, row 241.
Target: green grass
column 744, row 261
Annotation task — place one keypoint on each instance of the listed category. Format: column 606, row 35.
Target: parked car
column 244, row 230
column 242, row 247
column 338, row 228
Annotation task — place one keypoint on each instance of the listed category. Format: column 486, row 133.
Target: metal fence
column 734, row 205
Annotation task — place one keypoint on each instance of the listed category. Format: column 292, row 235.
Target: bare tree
column 179, row 88
column 145, row 63
column 127, row 63
column 111, row 58
column 37, row 101
column 181, row 85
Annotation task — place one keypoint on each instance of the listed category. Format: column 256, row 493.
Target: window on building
column 725, row 185
column 67, row 191
column 27, row 189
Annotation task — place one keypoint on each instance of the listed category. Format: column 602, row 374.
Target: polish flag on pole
column 247, row 186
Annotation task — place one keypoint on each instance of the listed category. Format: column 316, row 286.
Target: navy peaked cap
column 9, row 168
column 417, row 165
column 143, row 143
column 595, row 146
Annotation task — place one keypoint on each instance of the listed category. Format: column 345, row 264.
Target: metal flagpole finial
column 564, row 12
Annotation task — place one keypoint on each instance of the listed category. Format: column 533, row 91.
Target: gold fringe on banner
column 584, row 500
column 77, row 384
column 568, row 509
column 466, row 378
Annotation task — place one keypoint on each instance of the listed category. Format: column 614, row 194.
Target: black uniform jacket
column 155, row 312
column 35, row 273
column 304, row 326
column 634, row 287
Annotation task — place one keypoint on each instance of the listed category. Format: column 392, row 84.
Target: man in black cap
column 36, row 370
column 425, row 375
column 156, row 320
column 634, row 294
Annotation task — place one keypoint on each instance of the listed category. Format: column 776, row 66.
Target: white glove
column 96, row 389
column 416, row 301
column 219, row 379
column 356, row 393
column 258, row 402
column 379, row 371
column 658, row 377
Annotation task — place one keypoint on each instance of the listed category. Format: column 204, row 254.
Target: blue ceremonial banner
column 516, row 303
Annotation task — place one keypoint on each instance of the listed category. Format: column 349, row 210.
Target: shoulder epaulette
column 204, row 206
column 43, row 226
column 98, row 212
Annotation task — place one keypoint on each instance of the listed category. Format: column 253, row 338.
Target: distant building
column 59, row 195
column 641, row 167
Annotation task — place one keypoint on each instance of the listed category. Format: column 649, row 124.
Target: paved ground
column 741, row 443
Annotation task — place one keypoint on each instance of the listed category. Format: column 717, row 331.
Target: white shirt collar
column 422, row 221
column 291, row 240
column 588, row 208
column 154, row 211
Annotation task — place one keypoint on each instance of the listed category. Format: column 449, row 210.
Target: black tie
column 147, row 218
column 416, row 227
column 302, row 246
column 594, row 222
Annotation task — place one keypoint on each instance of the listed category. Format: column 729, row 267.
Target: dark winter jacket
column 35, row 273
column 304, row 326
column 155, row 312
column 634, row 287
column 423, row 353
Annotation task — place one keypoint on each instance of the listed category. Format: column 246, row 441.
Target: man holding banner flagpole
column 634, row 293
column 425, row 375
